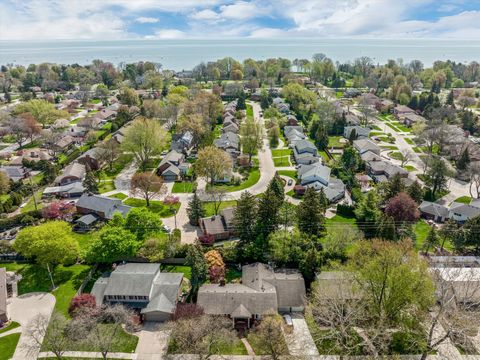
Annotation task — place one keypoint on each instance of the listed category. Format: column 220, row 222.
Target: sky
column 208, row 19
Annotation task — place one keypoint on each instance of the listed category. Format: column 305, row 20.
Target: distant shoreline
column 185, row 54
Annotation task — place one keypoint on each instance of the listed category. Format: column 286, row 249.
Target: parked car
column 290, row 182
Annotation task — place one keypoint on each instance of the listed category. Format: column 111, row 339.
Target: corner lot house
column 261, row 292
column 142, row 287
column 102, row 206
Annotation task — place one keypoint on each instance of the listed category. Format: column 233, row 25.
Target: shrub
column 81, row 303
column 216, row 266
column 187, row 311
column 346, row 210
column 207, row 240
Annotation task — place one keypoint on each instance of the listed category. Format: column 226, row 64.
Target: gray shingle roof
column 103, row 204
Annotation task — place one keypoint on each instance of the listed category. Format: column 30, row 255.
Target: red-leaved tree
column 58, row 210
column 81, row 303
column 402, row 208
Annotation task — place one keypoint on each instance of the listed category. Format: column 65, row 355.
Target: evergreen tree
column 416, row 192
column 276, row 184
column 321, row 138
column 309, row 264
column 450, row 98
column 431, row 240
column 241, row 105
column 353, row 136
column 310, row 213
column 394, row 186
column 386, row 228
column 268, row 214
column 245, row 217
column 199, row 268
column 413, row 103
column 464, row 160
column 195, row 210
column 90, row 182
column 368, row 214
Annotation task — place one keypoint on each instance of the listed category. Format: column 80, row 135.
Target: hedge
column 14, row 221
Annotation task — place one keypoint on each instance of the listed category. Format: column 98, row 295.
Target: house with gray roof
column 102, row 206
column 92, row 158
column 461, row 212
column 182, row 143
column 230, row 142
column 142, row 287
column 261, row 292
column 364, row 145
column 74, row 172
column 305, row 152
column 317, row 176
column 70, row 190
column 382, row 170
column 16, row 173
column 169, row 167
column 360, row 132
column 433, row 211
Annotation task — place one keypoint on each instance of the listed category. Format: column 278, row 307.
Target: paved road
column 122, row 181
column 23, row 309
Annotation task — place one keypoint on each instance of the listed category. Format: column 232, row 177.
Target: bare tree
column 474, row 173
column 216, row 197
column 203, row 336
column 51, row 337
column 458, row 305
column 270, row 337
column 340, row 308
column 100, row 329
column 147, row 185
column 108, row 152
column 405, row 157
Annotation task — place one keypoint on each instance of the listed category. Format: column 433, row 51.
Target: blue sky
column 174, row 19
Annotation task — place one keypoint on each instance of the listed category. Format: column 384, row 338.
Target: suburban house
column 352, row 119
column 382, row 170
column 71, row 190
column 305, row 153
column 317, row 176
column 182, row 143
column 433, row 211
column 230, row 127
column 384, row 105
column 74, row 172
column 281, row 105
column 229, row 142
column 293, row 134
column 85, row 223
column 402, row 110
column 463, row 282
column 142, row 287
column 8, row 289
column 457, row 211
column 360, row 132
column 102, row 206
column 369, row 99
column 262, row 291
column 220, row 226
column 364, row 145
column 412, row 118
column 292, row 120
column 106, row 114
column 64, row 143
column 91, row 158
column 16, row 173
column 170, row 169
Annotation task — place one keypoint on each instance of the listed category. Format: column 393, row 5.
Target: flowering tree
column 58, row 210
column 171, row 200
column 216, row 266
column 82, row 302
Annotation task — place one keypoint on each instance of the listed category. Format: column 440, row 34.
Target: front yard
column 155, row 206
column 252, row 179
column 184, row 187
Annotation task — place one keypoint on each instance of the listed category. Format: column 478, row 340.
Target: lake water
column 185, row 54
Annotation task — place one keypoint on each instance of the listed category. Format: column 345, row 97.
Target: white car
column 167, row 229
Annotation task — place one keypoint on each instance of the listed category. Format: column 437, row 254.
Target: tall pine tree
column 195, row 210
column 310, row 213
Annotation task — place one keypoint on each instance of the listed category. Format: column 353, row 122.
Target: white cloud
column 146, row 20
column 206, row 14
column 267, row 33
column 241, row 10
column 168, row 34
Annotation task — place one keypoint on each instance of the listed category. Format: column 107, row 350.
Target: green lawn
column 281, row 152
column 417, row 149
column 249, row 112
column 106, row 186
column 289, row 173
column 120, row 196
column 183, row 187
column 84, row 239
column 117, row 166
column 409, row 141
column 340, row 220
column 393, row 127
column 31, row 203
column 10, row 326
column 421, row 229
column 155, row 206
column 464, row 200
column 401, row 126
column 395, row 155
column 252, row 179
column 209, row 206
column 186, row 270
column 389, row 147
column 281, row 161
column 8, row 344
column 410, row 168
column 324, row 155
column 35, row 278
column 334, row 141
